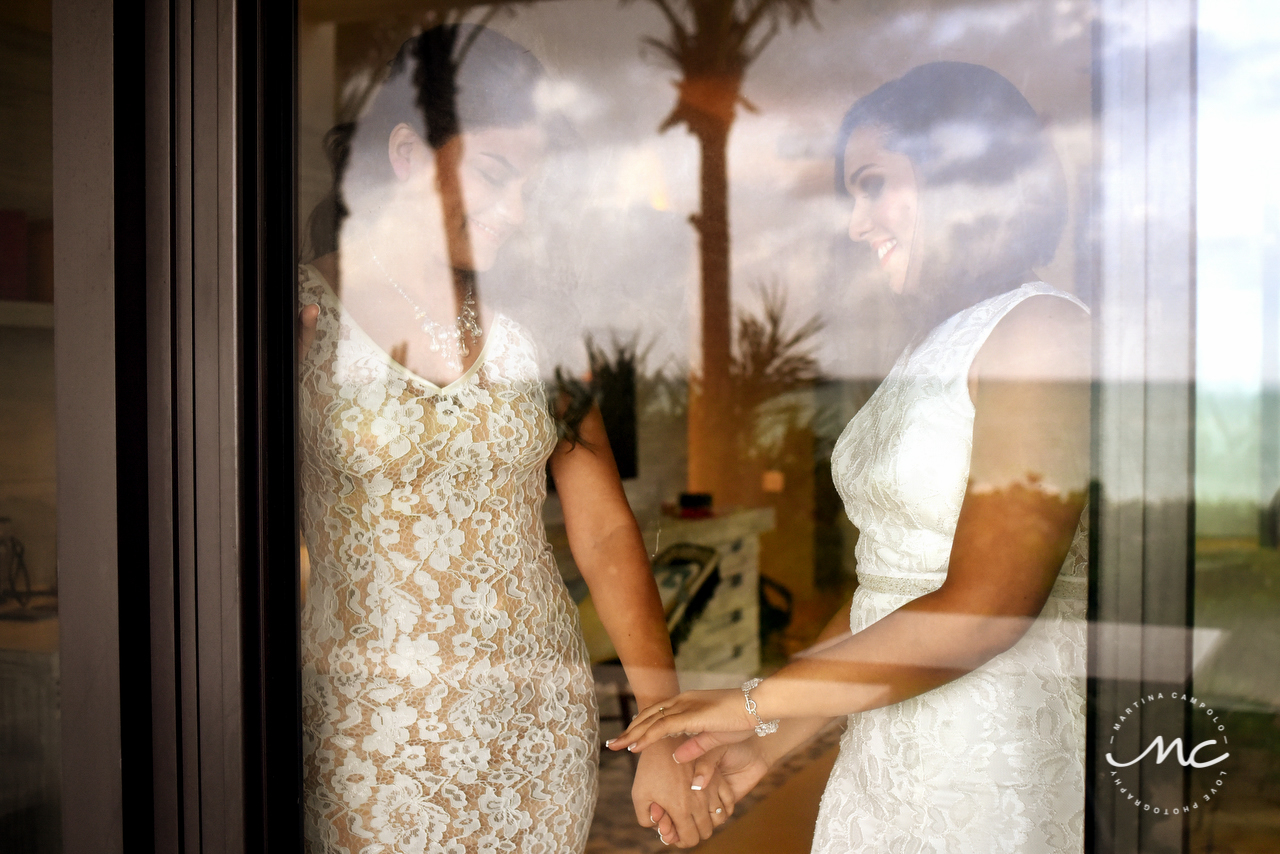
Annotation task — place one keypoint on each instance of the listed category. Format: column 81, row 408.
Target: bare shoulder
column 1043, row 338
column 1031, row 394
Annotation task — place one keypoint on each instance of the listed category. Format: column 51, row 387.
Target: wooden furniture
column 724, row 642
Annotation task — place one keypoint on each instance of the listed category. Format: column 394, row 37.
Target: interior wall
column 27, row 487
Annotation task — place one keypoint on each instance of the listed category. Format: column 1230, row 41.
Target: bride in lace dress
column 447, row 697
column 961, row 661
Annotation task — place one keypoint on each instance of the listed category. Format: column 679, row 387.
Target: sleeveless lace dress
column 994, row 761
column 447, row 697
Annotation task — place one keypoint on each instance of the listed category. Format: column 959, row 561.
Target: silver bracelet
column 762, row 728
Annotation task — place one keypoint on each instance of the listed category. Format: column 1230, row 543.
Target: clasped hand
column 682, row 802
column 715, row 758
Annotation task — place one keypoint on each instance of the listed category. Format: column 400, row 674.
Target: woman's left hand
column 690, row 713
column 671, row 799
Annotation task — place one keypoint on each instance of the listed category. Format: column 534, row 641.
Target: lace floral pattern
column 447, row 697
column 994, row 761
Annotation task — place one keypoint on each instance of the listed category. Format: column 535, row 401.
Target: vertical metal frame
column 268, row 101
column 1143, row 507
column 194, row 391
column 232, row 398
column 170, row 797
column 174, row 358
column 207, row 284
column 85, row 400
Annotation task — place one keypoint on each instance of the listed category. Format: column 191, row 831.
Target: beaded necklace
column 450, row 343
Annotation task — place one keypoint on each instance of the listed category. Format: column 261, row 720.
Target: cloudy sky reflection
column 616, row 208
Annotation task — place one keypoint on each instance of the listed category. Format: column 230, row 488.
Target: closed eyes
column 493, row 180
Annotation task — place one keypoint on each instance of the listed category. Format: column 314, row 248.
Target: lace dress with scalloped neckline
column 447, row 696
column 994, row 761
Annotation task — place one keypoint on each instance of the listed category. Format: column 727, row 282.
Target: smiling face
column 493, row 168
column 882, row 185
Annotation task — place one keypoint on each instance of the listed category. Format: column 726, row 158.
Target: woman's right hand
column 690, row 712
column 307, row 318
column 684, row 810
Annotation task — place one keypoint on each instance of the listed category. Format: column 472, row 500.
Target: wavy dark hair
column 991, row 192
column 448, row 80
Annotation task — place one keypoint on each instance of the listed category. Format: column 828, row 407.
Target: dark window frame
column 1143, row 501
column 174, row 258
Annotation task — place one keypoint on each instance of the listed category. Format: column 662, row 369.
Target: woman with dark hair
column 448, row 704
column 960, row 664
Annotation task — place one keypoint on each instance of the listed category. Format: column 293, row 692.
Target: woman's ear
column 400, row 150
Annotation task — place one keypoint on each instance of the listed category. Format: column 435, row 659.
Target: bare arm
column 1027, row 487
column 740, row 760
column 610, row 554
column 791, row 733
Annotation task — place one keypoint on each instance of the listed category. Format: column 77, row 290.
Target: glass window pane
column 628, row 321
column 1238, row 423
column 508, row 229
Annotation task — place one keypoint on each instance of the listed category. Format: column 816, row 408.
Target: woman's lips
column 489, row 231
column 884, row 250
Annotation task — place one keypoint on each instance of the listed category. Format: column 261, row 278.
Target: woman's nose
column 859, row 222
column 511, row 204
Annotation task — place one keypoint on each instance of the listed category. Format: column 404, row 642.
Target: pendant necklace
column 447, row 342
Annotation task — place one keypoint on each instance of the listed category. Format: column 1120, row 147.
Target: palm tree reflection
column 713, row 43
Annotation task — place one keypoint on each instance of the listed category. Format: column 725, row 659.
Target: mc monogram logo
column 1162, row 753
column 1166, row 784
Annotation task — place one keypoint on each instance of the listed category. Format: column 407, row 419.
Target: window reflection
column 683, row 242
column 1237, row 427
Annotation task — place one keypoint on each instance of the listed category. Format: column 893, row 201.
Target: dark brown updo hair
column 448, row 80
column 991, row 193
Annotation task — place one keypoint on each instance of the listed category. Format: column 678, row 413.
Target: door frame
column 173, row 190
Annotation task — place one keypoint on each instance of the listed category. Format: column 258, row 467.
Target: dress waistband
column 894, row 585
column 1066, row 587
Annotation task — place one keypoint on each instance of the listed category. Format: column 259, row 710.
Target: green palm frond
column 769, row 357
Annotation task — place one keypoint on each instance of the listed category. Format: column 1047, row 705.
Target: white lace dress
column 994, row 761
column 447, row 696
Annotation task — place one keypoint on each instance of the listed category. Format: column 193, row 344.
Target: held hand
column 690, row 712
column 706, row 742
column 741, row 766
column 307, row 317
column 665, row 797
column 662, row 822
